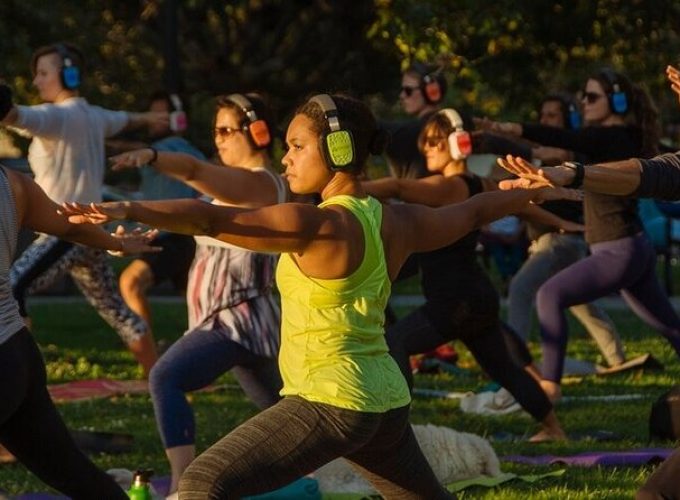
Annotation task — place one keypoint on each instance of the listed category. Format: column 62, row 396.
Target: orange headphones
column 255, row 128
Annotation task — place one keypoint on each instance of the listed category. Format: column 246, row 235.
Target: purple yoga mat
column 642, row 456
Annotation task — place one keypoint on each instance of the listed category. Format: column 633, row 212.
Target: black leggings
column 295, row 437
column 33, row 431
column 482, row 334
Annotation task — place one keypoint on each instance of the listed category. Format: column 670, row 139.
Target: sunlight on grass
column 78, row 345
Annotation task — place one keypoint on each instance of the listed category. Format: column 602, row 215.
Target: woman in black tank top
column 461, row 302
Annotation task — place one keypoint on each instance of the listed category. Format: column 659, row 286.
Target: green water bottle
column 141, row 485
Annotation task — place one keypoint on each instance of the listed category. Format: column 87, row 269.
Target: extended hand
column 94, row 213
column 533, row 177
column 135, row 242
column 131, row 159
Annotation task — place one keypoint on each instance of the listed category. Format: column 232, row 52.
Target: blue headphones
column 574, row 116
column 568, row 108
column 70, row 73
column 617, row 97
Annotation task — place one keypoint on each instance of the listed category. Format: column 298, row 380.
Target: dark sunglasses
column 224, row 132
column 408, row 90
column 591, row 97
column 433, row 142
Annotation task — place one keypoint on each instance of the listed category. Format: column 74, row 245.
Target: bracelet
column 579, row 174
column 155, row 155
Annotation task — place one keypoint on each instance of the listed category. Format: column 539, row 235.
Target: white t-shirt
column 67, row 153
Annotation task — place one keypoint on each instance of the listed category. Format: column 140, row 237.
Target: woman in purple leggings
column 621, row 123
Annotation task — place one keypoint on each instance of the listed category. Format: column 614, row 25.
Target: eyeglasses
column 591, row 97
column 224, row 132
column 408, row 90
column 433, row 142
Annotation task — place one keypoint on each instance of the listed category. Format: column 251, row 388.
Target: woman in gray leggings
column 344, row 395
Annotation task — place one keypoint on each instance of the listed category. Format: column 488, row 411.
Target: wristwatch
column 579, row 173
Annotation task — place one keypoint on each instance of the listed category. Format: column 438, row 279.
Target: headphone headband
column 64, row 53
column 329, row 109
column 460, row 143
column 256, row 129
column 70, row 73
column 618, row 100
column 454, row 118
column 246, row 106
column 176, row 102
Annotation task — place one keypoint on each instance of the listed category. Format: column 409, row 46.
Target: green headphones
column 337, row 144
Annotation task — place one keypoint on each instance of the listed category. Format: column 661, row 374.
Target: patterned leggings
column 48, row 258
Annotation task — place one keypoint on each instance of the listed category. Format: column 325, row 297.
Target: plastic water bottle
column 141, row 485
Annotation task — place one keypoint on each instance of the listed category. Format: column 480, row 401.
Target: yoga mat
column 493, row 481
column 643, row 456
column 437, row 393
column 306, row 488
column 79, row 390
column 595, row 435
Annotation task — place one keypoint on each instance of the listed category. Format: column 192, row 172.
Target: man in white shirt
column 68, row 159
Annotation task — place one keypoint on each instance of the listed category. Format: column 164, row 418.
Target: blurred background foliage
column 500, row 57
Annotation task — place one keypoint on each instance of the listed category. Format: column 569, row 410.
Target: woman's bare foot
column 552, row 390
column 546, row 435
column 551, row 430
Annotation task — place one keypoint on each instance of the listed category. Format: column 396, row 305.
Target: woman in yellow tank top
column 344, row 395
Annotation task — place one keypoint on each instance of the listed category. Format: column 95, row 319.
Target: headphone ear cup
column 178, row 121
column 619, row 102
column 433, row 92
column 259, row 133
column 339, row 149
column 70, row 77
column 574, row 117
column 460, row 145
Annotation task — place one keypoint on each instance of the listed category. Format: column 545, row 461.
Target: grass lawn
column 78, row 345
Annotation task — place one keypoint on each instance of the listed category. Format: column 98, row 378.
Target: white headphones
column 178, row 118
column 460, row 143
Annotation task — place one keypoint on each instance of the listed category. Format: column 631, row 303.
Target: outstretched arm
column 286, row 227
column 39, row 213
column 429, row 229
column 433, row 191
column 616, row 178
column 236, row 186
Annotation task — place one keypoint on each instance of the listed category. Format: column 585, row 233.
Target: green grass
column 78, row 345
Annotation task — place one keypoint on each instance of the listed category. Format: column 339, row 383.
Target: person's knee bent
column 200, row 479
column 550, row 296
column 162, row 377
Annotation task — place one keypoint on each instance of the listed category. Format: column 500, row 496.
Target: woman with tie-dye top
column 233, row 317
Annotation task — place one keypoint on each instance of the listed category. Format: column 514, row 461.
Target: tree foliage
column 499, row 56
